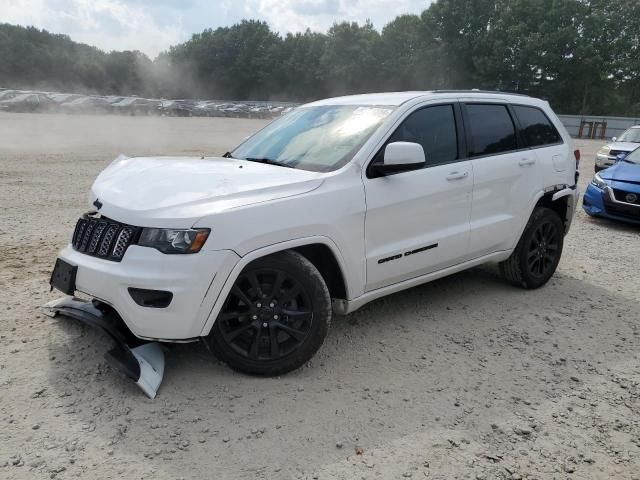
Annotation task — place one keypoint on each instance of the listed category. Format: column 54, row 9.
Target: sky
column 151, row 26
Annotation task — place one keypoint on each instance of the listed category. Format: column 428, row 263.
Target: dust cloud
column 112, row 134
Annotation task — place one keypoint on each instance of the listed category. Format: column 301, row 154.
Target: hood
column 177, row 191
column 623, row 146
column 622, row 172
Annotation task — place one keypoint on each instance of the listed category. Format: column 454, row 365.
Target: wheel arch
column 561, row 202
column 325, row 261
column 321, row 251
column 563, row 205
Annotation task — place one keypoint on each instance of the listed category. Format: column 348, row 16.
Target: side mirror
column 401, row 157
column 620, row 157
column 614, row 139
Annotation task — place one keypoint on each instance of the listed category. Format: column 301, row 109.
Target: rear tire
column 538, row 252
column 275, row 318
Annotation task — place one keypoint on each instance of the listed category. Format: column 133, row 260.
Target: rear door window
column 492, row 129
column 535, row 127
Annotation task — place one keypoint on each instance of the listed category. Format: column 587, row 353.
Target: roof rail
column 476, row 90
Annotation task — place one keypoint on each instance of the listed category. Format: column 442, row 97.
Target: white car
column 335, row 204
column 625, row 143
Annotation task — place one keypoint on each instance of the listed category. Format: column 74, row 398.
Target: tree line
column 581, row 55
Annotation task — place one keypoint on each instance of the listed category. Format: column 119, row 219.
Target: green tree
column 456, row 30
column 351, row 58
column 237, row 62
column 301, row 74
column 402, row 54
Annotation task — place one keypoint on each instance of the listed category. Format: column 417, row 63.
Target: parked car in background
column 87, row 105
column 135, row 106
column 6, row 94
column 176, row 108
column 26, row 102
column 35, row 101
column 61, row 98
column 625, row 143
column 331, row 206
column 615, row 192
column 206, row 108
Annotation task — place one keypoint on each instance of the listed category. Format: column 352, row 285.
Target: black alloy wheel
column 275, row 316
column 536, row 257
column 543, row 250
column 267, row 315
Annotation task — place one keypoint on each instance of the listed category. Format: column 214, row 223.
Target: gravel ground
column 465, row 377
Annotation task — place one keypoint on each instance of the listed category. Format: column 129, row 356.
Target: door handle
column 457, row 175
column 526, row 161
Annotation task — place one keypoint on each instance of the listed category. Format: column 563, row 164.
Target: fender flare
column 262, row 252
column 562, row 193
column 555, row 192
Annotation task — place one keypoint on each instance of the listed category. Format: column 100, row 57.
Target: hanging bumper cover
column 141, row 362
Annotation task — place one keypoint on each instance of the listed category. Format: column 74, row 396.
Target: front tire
column 538, row 252
column 275, row 318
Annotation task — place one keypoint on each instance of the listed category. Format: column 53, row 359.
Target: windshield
column 631, row 135
column 319, row 139
column 633, row 157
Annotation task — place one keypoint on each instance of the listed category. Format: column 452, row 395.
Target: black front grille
column 632, row 212
column 103, row 238
column 622, row 211
column 623, row 196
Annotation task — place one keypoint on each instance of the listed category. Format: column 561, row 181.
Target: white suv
column 334, row 204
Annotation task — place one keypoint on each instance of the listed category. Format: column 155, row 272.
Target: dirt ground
column 462, row 378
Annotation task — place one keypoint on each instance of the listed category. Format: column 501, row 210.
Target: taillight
column 576, row 153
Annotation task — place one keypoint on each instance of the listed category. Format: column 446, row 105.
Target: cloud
column 107, row 24
column 316, row 7
column 318, row 15
column 152, row 26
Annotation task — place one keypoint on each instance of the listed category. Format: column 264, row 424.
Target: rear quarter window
column 535, row 127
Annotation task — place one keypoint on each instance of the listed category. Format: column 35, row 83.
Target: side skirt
column 344, row 307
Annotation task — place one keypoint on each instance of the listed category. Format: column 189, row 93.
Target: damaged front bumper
column 141, row 362
column 193, row 282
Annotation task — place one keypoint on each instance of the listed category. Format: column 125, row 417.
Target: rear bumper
column 193, row 280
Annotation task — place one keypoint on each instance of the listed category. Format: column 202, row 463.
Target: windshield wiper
column 268, row 161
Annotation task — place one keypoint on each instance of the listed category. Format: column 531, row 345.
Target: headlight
column 603, row 153
column 173, row 241
column 599, row 182
column 604, row 150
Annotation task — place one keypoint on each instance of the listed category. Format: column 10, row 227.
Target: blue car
column 615, row 192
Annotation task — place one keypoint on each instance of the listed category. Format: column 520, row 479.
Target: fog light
column 151, row 298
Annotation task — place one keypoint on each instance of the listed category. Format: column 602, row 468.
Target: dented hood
column 177, row 191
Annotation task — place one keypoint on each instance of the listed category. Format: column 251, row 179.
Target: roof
column 398, row 98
